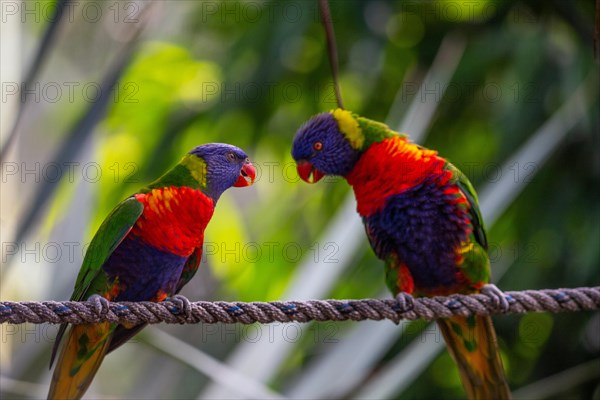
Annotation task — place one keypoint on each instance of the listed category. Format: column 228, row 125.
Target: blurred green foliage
column 249, row 73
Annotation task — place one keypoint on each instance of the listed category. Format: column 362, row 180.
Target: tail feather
column 122, row 334
column 79, row 360
column 472, row 343
column 57, row 340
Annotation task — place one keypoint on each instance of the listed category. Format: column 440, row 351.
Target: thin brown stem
column 331, row 49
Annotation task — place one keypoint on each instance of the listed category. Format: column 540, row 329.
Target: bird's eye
column 231, row 156
column 317, row 146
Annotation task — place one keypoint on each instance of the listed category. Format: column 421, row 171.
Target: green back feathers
column 189, row 172
column 361, row 132
column 375, row 132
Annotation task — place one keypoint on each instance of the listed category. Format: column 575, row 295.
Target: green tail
column 472, row 343
column 79, row 360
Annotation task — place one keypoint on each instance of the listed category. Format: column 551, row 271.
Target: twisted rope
column 179, row 310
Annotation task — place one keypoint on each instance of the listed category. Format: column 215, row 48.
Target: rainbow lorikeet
column 147, row 249
column 422, row 219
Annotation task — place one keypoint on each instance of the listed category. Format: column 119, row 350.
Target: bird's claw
column 405, row 301
column 182, row 303
column 499, row 299
column 101, row 304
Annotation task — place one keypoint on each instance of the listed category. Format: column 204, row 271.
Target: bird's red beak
column 247, row 175
column 308, row 172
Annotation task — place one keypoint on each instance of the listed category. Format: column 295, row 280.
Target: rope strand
column 179, row 310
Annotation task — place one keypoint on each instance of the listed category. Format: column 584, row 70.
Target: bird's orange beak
column 308, row 172
column 247, row 175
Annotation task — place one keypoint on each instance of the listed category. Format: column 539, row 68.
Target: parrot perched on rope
column 147, row 249
column 422, row 218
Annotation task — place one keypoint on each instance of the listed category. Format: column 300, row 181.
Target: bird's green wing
column 112, row 231
column 467, row 189
column 476, row 262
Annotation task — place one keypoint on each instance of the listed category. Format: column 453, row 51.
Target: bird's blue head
column 226, row 166
column 328, row 144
